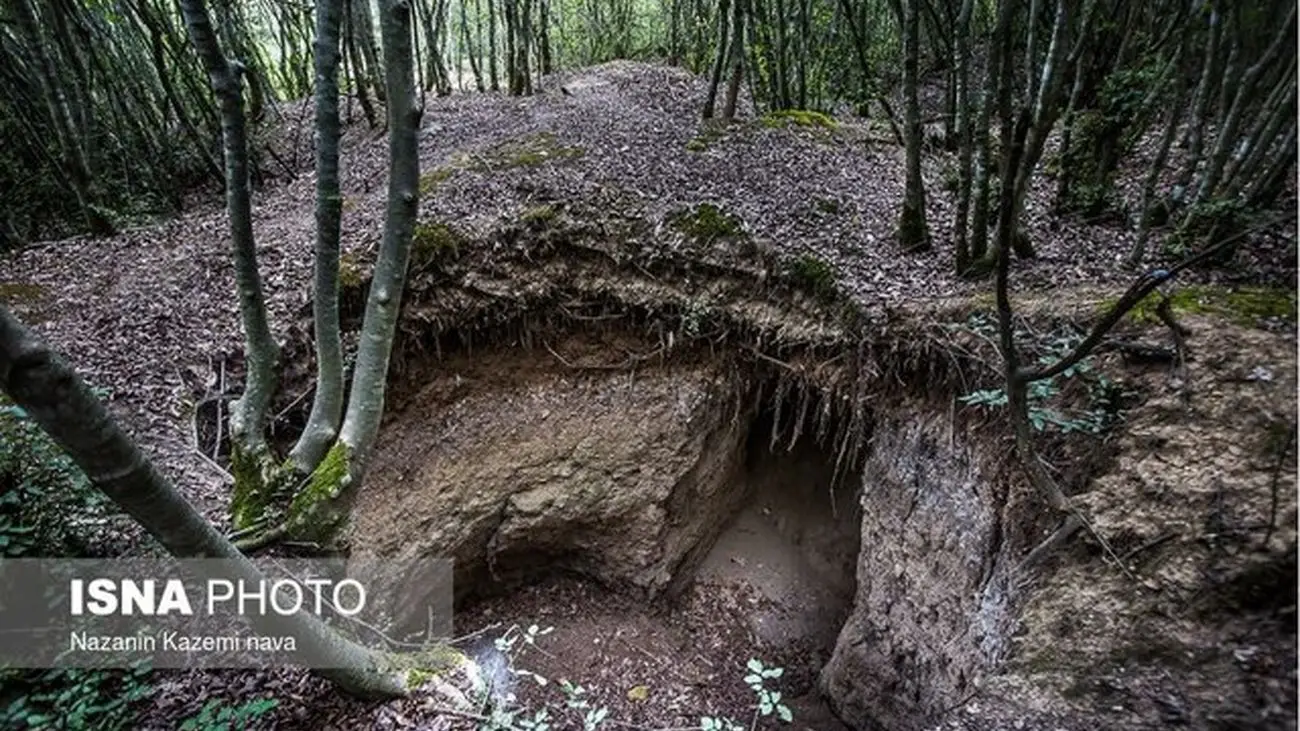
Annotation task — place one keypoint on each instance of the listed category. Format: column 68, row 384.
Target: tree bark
column 75, row 163
column 913, row 231
column 248, row 418
column 327, row 403
column 721, row 61
column 737, row 60
column 965, row 138
column 383, row 305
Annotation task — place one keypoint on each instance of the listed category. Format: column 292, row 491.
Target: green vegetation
column 709, row 133
column 435, row 242
column 430, row 181
column 813, row 274
column 1247, row 306
column 538, row 216
column 219, row 715
column 529, row 151
column 707, row 223
column 798, row 118
column 350, row 271
column 1047, row 412
column 41, row 489
column 75, row 699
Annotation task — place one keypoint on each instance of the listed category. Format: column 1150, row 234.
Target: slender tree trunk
column 327, row 403
column 360, row 76
column 1157, row 168
column 56, row 398
column 248, row 417
column 1227, row 136
column 913, row 231
column 737, row 60
column 75, row 162
column 965, row 138
column 1201, row 107
column 721, row 61
column 492, row 44
column 366, row 402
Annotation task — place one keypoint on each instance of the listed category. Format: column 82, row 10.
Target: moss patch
column 710, row 133
column 435, row 242
column 524, row 152
column 798, row 118
column 252, row 496
column 430, row 181
column 813, row 274
column 350, row 276
column 538, row 216
column 312, row 512
column 24, row 298
column 706, row 222
column 1247, row 306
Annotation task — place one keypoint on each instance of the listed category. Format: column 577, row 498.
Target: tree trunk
column 913, row 232
column 737, row 60
column 327, row 403
column 965, row 138
column 492, row 44
column 54, row 396
column 360, row 76
column 1227, row 136
column 721, row 61
column 383, row 305
column 248, row 417
column 75, row 163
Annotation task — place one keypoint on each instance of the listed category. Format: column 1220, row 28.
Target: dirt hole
column 775, row 584
column 668, row 521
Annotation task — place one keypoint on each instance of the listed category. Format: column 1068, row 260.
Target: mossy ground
column 707, row 222
column 799, row 118
column 434, row 242
column 1249, row 306
column 814, row 275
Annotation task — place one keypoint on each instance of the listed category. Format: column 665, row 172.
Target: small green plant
column 767, row 701
column 434, row 242
column 75, row 699
column 538, row 216
column 48, row 507
column 218, row 715
column 430, row 181
column 525, row 152
column 1103, row 394
column 827, row 206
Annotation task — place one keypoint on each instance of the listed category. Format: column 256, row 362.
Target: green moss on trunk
column 314, row 513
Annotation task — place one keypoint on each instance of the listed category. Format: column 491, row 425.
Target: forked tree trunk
column 327, row 403
column 56, row 398
column 383, row 305
column 248, row 418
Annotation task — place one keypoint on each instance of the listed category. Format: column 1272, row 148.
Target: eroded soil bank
column 678, row 487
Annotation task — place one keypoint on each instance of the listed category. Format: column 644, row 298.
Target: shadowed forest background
column 824, row 364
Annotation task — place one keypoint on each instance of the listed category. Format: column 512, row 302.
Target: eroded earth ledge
column 565, row 402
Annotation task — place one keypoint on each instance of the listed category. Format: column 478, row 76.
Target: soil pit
column 668, row 522
column 777, row 585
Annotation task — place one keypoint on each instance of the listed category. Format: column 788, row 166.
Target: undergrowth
column 498, row 708
column 49, row 508
column 1050, row 407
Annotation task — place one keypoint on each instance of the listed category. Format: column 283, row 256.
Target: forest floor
column 150, row 314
